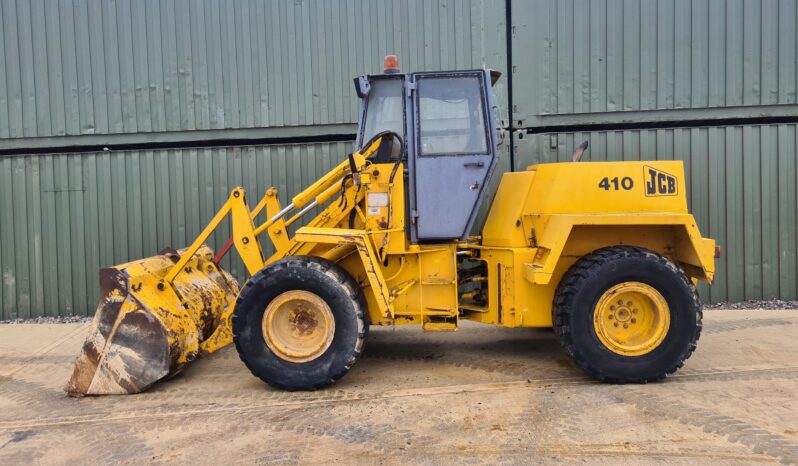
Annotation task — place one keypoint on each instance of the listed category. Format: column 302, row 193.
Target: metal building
column 124, row 124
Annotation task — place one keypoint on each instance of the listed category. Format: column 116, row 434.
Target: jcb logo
column 659, row 183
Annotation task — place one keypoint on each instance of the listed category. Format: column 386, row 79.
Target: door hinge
column 410, row 86
column 413, row 215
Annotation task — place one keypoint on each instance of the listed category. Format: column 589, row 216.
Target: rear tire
column 305, row 276
column 595, row 337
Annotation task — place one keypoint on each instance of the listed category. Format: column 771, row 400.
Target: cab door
column 455, row 152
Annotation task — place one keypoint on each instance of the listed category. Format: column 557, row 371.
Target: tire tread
column 586, row 268
column 338, row 274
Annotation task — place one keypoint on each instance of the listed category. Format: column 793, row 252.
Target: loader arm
column 246, row 234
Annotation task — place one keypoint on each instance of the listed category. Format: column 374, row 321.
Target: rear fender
column 673, row 235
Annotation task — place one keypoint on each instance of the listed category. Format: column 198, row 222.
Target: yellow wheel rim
column 631, row 319
column 298, row 326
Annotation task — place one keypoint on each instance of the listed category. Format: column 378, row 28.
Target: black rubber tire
column 330, row 282
column 579, row 292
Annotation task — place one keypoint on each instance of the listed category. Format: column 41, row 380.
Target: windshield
column 384, row 108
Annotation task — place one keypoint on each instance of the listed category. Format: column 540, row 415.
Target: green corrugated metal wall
column 103, row 72
column 592, row 60
column 129, row 66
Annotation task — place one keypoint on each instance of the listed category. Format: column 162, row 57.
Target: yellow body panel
column 543, row 219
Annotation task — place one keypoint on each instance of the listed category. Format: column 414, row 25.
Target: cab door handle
column 474, row 164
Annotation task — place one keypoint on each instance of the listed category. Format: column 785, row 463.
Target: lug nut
column 629, row 303
column 615, row 324
column 620, row 302
column 610, row 317
column 634, row 311
column 634, row 321
column 625, row 325
column 612, row 308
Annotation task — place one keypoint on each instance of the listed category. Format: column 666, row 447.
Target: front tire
column 626, row 314
column 312, row 314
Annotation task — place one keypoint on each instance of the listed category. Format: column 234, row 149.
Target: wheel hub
column 631, row 319
column 298, row 326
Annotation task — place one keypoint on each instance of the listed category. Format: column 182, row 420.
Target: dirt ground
column 479, row 395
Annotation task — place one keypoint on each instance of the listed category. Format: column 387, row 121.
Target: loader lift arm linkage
column 245, row 234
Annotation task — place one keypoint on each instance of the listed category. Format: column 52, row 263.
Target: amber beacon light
column 391, row 64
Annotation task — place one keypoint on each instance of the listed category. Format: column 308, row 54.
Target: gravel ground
column 752, row 305
column 50, row 320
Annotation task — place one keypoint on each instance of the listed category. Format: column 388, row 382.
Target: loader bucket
column 145, row 329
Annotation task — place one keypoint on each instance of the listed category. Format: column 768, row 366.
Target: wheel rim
column 298, row 326
column 631, row 319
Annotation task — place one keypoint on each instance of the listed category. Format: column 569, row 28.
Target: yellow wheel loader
column 606, row 253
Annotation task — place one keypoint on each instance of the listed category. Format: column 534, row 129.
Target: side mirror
column 362, row 86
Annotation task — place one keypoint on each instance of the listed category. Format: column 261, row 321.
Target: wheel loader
column 605, row 253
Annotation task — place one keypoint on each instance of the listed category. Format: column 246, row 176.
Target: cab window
column 451, row 116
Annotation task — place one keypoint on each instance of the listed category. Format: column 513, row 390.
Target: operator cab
column 447, row 125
